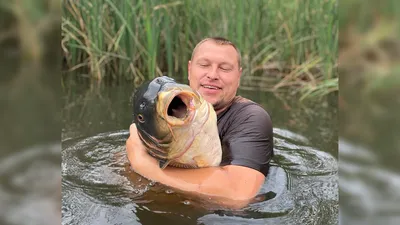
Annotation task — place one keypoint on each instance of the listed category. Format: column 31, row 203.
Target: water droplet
column 186, row 202
column 151, row 184
column 169, row 191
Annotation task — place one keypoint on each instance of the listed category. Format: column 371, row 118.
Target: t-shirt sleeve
column 250, row 139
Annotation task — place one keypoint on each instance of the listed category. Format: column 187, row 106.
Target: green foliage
column 143, row 39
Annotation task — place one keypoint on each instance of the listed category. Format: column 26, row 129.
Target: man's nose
column 213, row 73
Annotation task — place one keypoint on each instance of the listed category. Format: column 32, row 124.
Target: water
column 30, row 186
column 369, row 153
column 30, row 164
column 99, row 188
column 30, row 148
column 370, row 190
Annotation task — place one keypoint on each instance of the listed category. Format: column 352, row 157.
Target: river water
column 98, row 187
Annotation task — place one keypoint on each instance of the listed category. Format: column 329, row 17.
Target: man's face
column 214, row 72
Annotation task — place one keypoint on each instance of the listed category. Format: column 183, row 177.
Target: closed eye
column 225, row 69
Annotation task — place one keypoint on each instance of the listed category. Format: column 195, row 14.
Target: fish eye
column 140, row 118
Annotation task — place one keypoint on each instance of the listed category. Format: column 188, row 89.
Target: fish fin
column 184, row 166
column 163, row 163
column 200, row 161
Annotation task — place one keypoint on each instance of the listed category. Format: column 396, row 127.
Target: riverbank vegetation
column 369, row 67
column 283, row 43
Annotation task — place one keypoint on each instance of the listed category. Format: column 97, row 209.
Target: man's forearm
column 229, row 182
column 211, row 184
column 213, row 181
column 216, row 184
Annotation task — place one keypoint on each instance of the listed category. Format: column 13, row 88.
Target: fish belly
column 206, row 150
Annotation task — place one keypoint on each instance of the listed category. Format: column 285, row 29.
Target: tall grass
column 369, row 59
column 369, row 42
column 283, row 43
column 30, row 60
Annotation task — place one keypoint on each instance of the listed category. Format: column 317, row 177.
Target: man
column 244, row 127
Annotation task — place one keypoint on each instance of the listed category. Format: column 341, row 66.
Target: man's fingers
column 132, row 128
column 132, row 134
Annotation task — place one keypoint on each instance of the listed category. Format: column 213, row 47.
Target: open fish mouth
column 179, row 106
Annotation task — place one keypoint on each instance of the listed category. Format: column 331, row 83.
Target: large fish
column 176, row 125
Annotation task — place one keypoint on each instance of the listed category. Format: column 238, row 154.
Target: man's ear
column 240, row 76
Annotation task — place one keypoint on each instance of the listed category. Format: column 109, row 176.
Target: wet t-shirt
column 245, row 130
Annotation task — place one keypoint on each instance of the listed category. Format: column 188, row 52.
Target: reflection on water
column 30, row 186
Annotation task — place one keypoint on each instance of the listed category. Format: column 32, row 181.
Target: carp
column 176, row 125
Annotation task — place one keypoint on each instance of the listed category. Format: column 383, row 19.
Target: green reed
column 143, row 39
column 369, row 55
column 361, row 16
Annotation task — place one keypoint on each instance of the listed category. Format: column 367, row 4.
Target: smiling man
column 244, row 127
column 215, row 72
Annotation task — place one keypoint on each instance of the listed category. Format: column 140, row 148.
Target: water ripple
column 369, row 190
column 30, row 188
column 97, row 184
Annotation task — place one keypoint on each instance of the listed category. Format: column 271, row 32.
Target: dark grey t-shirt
column 245, row 131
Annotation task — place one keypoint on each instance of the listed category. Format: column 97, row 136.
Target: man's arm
column 234, row 185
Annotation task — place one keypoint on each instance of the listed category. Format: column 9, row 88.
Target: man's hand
column 141, row 162
column 147, row 166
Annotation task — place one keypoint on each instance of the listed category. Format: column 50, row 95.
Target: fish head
column 148, row 122
column 159, row 108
